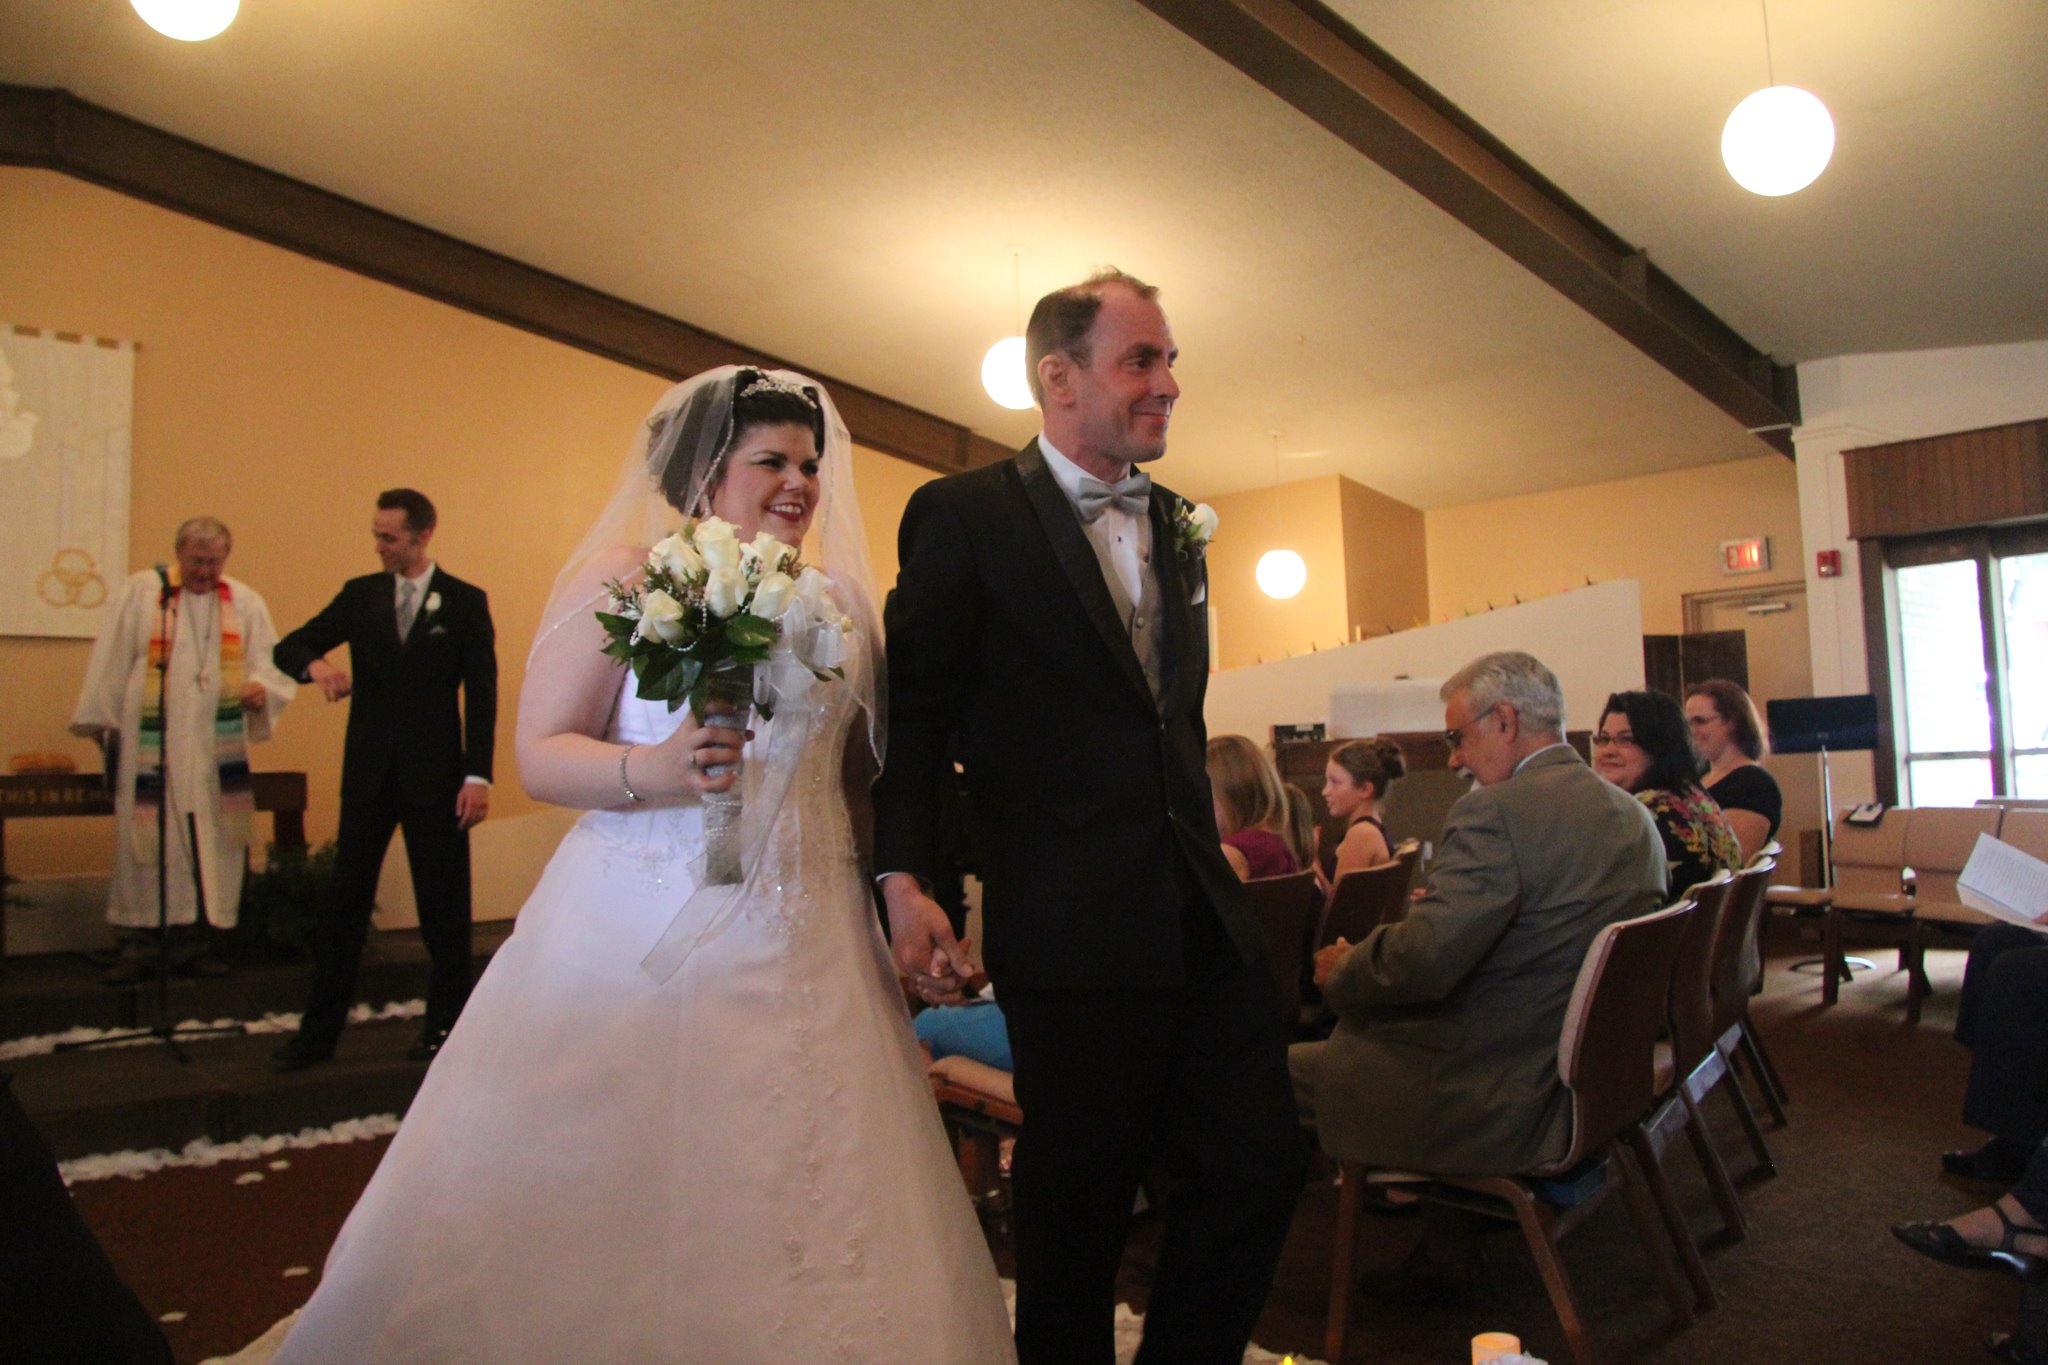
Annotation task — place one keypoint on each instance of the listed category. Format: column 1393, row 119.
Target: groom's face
column 1122, row 399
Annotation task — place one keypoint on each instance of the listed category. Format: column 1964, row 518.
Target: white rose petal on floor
column 200, row 1152
column 41, row 1044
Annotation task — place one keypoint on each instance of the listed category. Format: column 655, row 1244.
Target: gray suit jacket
column 1445, row 1052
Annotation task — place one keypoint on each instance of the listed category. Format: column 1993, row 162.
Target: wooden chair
column 1869, row 892
column 1361, row 901
column 978, row 1105
column 1286, row 910
column 1685, row 1058
column 1736, row 979
column 1606, row 1059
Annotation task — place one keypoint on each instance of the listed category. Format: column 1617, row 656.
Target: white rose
column 773, row 596
column 725, row 588
column 433, row 603
column 770, row 552
column 1203, row 521
column 675, row 554
column 661, row 617
column 717, row 544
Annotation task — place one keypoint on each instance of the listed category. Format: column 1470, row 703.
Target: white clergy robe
column 116, row 682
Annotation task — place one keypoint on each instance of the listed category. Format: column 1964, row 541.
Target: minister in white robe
column 120, row 685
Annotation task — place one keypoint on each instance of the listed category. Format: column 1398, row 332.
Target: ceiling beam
column 54, row 130
column 1310, row 57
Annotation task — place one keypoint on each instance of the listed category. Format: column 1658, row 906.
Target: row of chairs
column 1658, row 1016
column 1894, row 883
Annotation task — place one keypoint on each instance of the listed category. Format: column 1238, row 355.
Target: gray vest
column 1142, row 618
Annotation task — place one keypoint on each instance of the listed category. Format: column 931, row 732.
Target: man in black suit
column 1047, row 619
column 417, row 635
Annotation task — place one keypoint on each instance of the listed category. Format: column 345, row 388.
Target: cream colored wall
column 280, row 394
column 1664, row 530
column 1385, row 560
column 1306, row 517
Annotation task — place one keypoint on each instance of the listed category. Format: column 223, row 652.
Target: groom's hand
column 922, row 941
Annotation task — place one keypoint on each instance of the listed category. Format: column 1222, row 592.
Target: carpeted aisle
column 1821, row 1280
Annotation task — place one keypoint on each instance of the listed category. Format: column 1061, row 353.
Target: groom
column 1046, row 616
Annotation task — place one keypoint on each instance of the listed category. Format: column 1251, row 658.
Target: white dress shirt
column 1128, row 539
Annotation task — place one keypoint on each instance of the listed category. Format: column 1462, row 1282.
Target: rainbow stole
column 230, row 732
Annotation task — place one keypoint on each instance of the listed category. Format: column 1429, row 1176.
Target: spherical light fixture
column 1778, row 140
column 1281, row 573
column 189, row 21
column 1002, row 374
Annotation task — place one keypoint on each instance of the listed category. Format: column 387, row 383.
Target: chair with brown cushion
column 1938, row 844
column 1286, row 909
column 1606, row 1058
column 1685, row 1055
column 1736, row 979
column 1869, row 894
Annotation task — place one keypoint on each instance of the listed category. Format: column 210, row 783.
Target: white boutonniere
column 1194, row 526
column 433, row 603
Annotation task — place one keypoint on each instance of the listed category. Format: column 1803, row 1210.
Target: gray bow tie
column 1133, row 494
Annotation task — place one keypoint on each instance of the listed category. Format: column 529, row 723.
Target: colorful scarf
column 230, row 730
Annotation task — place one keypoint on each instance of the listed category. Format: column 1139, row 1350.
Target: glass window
column 2024, row 583
column 1948, row 781
column 2032, row 771
column 1948, row 699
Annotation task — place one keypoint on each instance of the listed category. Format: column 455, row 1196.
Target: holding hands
column 332, row 682
column 922, row 942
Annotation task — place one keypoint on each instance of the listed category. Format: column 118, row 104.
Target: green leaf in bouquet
column 621, row 650
column 748, row 631
column 617, row 625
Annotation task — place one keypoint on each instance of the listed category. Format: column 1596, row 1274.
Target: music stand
column 1820, row 726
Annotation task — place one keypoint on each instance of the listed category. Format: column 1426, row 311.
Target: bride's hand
column 700, row 758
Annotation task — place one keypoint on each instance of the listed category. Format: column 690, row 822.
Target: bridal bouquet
column 711, row 609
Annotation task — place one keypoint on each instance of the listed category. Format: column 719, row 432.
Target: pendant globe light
column 189, row 21
column 1003, row 372
column 1780, row 139
column 1280, row 573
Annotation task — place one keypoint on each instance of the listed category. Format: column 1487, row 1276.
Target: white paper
column 2003, row 881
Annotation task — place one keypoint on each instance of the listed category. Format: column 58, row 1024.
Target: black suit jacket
column 403, row 717
column 1089, row 800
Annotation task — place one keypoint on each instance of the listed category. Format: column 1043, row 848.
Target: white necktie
column 406, row 591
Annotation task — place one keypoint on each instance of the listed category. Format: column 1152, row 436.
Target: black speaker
column 1807, row 725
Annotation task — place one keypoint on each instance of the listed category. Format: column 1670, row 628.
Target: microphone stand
column 162, row 1028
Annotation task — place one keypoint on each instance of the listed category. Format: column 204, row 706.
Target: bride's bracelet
column 625, row 754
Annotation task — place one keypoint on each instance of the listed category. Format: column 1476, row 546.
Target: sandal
column 1943, row 1243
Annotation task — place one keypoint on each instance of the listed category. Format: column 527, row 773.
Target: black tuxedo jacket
column 1089, row 802
column 403, row 718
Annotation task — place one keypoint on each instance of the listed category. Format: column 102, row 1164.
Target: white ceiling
column 843, row 185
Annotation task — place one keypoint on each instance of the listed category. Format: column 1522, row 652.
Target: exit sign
column 1746, row 556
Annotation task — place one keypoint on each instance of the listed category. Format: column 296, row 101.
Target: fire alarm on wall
column 1828, row 563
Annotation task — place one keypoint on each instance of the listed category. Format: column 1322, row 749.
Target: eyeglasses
column 1603, row 740
column 1456, row 737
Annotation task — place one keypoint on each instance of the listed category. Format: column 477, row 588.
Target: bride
column 619, row 1158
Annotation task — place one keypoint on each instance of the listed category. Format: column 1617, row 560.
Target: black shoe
column 301, row 1052
column 428, row 1047
column 1943, row 1243
column 1994, row 1163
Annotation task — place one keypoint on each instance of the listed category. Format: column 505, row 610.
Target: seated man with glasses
column 1445, row 1051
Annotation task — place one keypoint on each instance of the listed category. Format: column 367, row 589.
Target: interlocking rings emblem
column 72, row 580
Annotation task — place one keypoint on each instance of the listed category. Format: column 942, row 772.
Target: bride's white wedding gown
column 741, row 1164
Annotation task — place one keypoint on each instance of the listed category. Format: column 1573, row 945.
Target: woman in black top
column 1729, row 737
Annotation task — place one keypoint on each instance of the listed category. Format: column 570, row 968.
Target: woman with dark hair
column 1730, row 738
column 683, row 1118
column 1355, row 781
column 1251, row 808
column 1642, row 747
